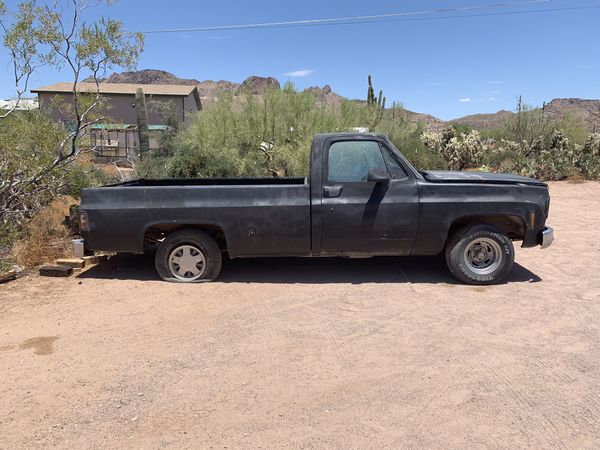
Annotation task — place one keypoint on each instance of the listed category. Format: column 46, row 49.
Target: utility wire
column 392, row 17
column 508, row 13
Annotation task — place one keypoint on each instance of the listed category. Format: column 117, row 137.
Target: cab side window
column 350, row 161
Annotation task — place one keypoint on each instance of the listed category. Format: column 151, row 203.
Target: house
column 119, row 100
column 115, row 135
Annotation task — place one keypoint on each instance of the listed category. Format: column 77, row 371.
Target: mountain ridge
column 587, row 109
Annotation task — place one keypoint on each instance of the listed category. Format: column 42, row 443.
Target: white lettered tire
column 480, row 254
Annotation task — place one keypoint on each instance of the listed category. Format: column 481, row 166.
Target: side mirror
column 377, row 175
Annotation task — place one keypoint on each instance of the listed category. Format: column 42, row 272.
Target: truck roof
column 323, row 136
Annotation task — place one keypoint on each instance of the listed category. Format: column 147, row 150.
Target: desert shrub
column 8, row 236
column 259, row 137
column 271, row 136
column 460, row 150
column 507, row 156
column 527, row 124
column 154, row 165
column 553, row 158
column 553, row 161
column 45, row 237
column 586, row 158
column 461, row 127
column 28, row 143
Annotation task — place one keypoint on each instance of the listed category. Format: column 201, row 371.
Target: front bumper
column 547, row 237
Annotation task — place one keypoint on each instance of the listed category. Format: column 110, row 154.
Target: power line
column 377, row 18
column 345, row 19
column 508, row 13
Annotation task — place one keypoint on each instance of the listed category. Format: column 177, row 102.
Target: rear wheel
column 188, row 256
column 480, row 254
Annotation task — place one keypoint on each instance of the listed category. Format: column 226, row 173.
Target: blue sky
column 448, row 67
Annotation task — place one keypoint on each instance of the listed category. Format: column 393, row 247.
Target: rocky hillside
column 483, row 121
column 588, row 110
column 148, row 76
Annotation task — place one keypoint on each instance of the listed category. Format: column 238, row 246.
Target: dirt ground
column 380, row 353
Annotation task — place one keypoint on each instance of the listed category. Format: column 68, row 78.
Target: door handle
column 332, row 191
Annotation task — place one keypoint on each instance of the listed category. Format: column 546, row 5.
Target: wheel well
column 513, row 226
column 156, row 233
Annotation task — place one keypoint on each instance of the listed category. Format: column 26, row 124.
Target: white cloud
column 300, row 73
column 491, row 99
column 464, row 100
column 496, row 82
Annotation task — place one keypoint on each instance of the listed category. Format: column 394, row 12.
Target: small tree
column 40, row 34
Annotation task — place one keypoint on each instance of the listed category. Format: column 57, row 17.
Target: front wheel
column 480, row 254
column 188, row 256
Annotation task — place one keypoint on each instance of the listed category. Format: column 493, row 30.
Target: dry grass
column 576, row 178
column 47, row 236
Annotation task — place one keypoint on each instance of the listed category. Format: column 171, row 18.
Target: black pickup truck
column 362, row 198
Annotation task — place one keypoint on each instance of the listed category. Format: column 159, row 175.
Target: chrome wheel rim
column 483, row 256
column 187, row 263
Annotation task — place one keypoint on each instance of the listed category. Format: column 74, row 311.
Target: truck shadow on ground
column 413, row 269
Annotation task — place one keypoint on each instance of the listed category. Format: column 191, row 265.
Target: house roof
column 121, row 88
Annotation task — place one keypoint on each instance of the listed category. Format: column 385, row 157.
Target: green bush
column 458, row 149
column 586, row 158
column 271, row 136
column 28, row 144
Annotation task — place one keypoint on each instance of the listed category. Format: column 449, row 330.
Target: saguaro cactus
column 371, row 99
column 142, row 121
column 370, row 93
column 377, row 104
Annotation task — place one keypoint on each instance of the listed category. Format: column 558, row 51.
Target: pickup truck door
column 362, row 215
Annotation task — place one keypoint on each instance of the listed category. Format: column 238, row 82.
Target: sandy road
column 381, row 353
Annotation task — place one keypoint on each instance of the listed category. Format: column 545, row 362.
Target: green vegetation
column 28, row 142
column 460, row 150
column 39, row 160
column 527, row 143
column 271, row 136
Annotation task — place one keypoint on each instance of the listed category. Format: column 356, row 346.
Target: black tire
column 197, row 246
column 472, row 243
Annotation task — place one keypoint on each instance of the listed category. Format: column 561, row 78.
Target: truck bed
column 213, row 182
column 258, row 216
